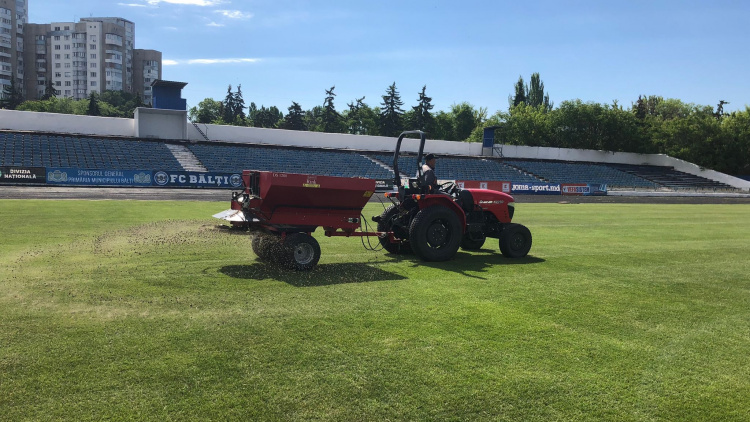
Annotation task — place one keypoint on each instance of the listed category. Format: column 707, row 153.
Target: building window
column 58, row 65
column 58, row 83
column 93, row 83
column 93, row 56
column 92, row 46
column 67, row 46
column 58, row 75
column 57, row 47
column 57, row 56
column 67, row 83
column 93, row 74
column 92, row 65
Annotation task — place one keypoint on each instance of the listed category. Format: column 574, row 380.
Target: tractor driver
column 428, row 174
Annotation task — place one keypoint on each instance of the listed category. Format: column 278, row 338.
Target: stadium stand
column 567, row 172
column 224, row 158
column 88, row 152
column 40, row 150
column 670, row 178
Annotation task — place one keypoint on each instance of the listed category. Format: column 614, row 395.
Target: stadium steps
column 526, row 172
column 383, row 165
column 186, row 158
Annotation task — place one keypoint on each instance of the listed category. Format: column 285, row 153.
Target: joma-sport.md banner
column 582, row 189
column 16, row 175
column 535, row 189
column 98, row 177
column 191, row 179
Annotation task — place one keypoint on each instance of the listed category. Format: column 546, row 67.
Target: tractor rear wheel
column 435, row 234
column 473, row 241
column 515, row 241
column 386, row 225
column 300, row 252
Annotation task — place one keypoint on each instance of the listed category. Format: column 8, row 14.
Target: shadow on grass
column 321, row 275
column 465, row 263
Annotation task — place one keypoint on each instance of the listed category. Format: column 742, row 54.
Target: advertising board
column 192, row 179
column 14, row 175
column 536, row 189
column 98, row 177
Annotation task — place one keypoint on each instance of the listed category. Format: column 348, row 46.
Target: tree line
column 389, row 118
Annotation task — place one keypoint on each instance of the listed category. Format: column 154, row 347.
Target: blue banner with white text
column 535, row 189
column 193, row 179
column 98, row 177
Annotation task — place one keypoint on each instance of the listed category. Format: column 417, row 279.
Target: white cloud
column 209, row 61
column 234, row 14
column 221, row 61
column 212, row 23
column 187, row 2
column 132, row 5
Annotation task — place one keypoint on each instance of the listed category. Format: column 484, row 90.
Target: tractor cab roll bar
column 397, row 175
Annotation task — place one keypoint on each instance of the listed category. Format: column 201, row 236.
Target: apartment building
column 13, row 18
column 92, row 55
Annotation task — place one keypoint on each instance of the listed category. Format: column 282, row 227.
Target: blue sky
column 283, row 51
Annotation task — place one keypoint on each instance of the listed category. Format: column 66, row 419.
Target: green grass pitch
column 128, row 310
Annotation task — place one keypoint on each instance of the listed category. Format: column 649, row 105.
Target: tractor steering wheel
column 449, row 187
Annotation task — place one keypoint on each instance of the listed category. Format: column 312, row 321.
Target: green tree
column 532, row 94
column 12, row 96
column 207, row 111
column 465, row 119
column 354, row 121
column 444, row 127
column 520, row 94
column 228, row 107
column 295, row 118
column 267, row 117
column 93, row 109
column 391, row 113
column 421, row 117
column 331, row 118
column 49, row 90
column 238, row 105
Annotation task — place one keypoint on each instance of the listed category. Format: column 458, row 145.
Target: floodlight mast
column 397, row 175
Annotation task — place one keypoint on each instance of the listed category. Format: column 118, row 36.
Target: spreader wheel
column 264, row 246
column 515, row 241
column 300, row 252
column 435, row 234
column 385, row 224
column 472, row 241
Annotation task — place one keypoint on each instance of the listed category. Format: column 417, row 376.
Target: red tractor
column 434, row 225
column 283, row 209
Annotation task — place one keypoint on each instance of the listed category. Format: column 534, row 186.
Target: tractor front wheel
column 300, row 252
column 435, row 234
column 515, row 241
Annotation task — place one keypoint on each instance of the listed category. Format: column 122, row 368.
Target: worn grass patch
column 146, row 310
